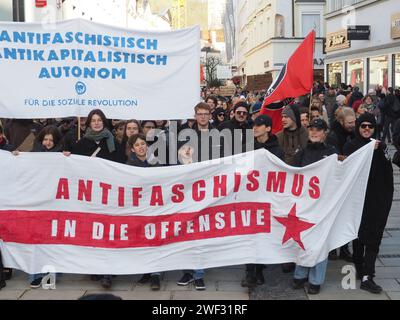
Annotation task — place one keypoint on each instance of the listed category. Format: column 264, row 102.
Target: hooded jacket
column 292, row 141
column 379, row 194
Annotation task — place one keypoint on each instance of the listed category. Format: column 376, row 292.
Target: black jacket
column 338, row 136
column 5, row 146
column 86, row 147
column 379, row 195
column 312, row 153
column 271, row 145
column 233, row 125
column 136, row 162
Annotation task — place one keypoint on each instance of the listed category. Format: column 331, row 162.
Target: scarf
column 98, row 136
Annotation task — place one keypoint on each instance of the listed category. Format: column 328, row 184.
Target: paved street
column 224, row 283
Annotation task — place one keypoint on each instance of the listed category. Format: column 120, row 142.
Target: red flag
column 294, row 80
column 201, row 73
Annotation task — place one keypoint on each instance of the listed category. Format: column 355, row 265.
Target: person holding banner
column 315, row 150
column 139, row 158
column 377, row 203
column 99, row 142
column 263, row 139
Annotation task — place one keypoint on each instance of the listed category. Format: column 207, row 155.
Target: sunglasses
column 241, row 113
column 221, row 114
column 365, row 126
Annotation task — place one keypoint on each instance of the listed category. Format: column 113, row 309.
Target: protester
column 119, row 131
column 391, row 112
column 316, row 150
column 212, row 102
column 130, row 128
column 21, row 134
column 263, row 139
column 304, row 117
column 291, row 139
column 3, row 141
column 294, row 136
column 219, row 116
column 341, row 132
column 139, row 158
column 71, row 137
column 238, row 123
column 98, row 141
column 377, row 204
column 48, row 140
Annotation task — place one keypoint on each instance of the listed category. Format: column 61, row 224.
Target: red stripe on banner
column 109, row 231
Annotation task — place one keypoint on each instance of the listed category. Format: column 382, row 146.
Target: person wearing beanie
column 316, row 150
column 291, row 139
column 255, row 110
column 377, row 203
column 263, row 139
column 294, row 136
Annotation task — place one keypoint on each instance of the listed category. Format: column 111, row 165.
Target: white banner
column 88, row 215
column 72, row 67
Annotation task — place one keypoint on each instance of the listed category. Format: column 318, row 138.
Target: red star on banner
column 294, row 226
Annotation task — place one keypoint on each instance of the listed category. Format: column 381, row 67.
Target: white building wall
column 377, row 15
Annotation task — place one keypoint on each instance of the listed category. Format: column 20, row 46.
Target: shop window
column 355, row 76
column 335, row 71
column 378, row 72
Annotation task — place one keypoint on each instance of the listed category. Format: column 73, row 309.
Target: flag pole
column 312, row 87
column 79, row 128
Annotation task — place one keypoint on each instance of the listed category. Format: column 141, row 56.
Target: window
column 378, row 72
column 397, row 70
column 335, row 71
column 311, row 21
column 355, row 75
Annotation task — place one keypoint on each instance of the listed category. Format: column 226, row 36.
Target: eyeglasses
column 365, row 126
column 241, row 113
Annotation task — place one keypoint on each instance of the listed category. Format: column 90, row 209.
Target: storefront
column 366, row 54
column 396, row 70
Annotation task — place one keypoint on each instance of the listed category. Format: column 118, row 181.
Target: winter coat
column 233, row 125
column 292, row 142
column 86, row 147
column 136, row 162
column 5, row 146
column 379, row 194
column 312, row 153
column 338, row 136
column 272, row 145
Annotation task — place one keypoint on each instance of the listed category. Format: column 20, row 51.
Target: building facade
column 363, row 43
column 269, row 31
column 120, row 13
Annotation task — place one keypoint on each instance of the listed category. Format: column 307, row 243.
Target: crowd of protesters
column 333, row 120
